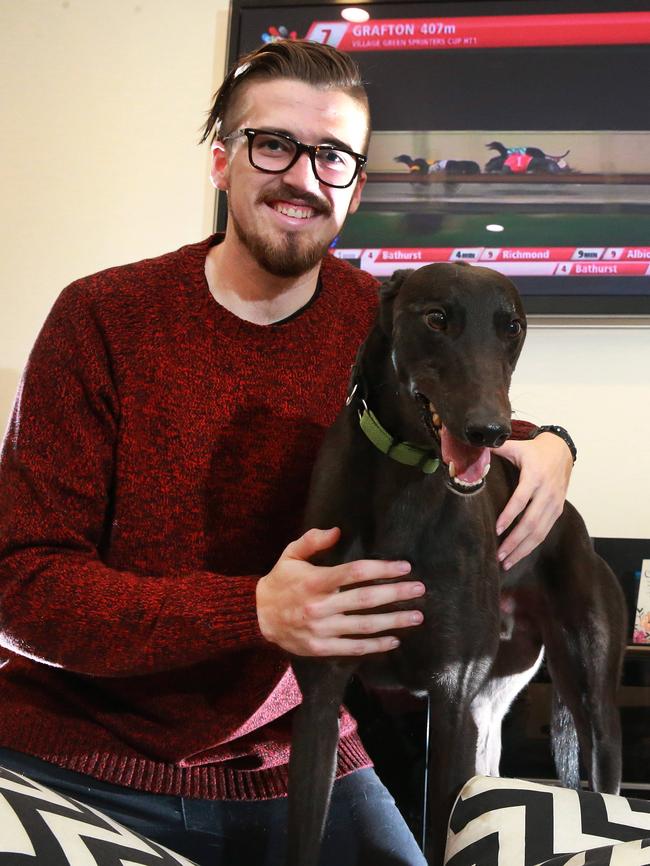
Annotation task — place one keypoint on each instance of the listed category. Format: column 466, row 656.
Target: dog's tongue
column 469, row 461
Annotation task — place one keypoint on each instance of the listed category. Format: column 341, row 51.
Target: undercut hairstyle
column 310, row 62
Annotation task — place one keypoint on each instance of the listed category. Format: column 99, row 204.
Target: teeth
column 434, row 415
column 299, row 212
column 468, row 484
column 459, row 481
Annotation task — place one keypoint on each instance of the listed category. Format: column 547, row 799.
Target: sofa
column 494, row 822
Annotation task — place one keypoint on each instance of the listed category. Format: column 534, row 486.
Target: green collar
column 403, row 452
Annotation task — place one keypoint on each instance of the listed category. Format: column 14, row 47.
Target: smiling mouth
column 467, row 465
column 302, row 212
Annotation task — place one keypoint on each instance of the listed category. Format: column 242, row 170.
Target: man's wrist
column 561, row 433
column 259, row 607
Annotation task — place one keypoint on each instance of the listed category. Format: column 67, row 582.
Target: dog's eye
column 436, row 320
column 513, row 328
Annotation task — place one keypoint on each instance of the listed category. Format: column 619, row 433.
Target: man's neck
column 238, row 283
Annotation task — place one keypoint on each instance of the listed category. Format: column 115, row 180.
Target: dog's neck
column 379, row 386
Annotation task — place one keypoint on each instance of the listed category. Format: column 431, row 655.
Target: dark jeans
column 364, row 827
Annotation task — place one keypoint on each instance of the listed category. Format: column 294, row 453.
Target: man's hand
column 300, row 608
column 545, row 465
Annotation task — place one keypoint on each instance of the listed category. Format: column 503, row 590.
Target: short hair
column 310, row 62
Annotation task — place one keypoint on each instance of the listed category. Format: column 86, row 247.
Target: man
column 152, row 481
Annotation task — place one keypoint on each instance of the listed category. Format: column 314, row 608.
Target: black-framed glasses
column 275, row 152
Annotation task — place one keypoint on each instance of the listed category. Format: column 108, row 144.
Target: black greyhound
column 533, row 160
column 435, row 372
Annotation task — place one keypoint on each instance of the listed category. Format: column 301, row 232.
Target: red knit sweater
column 156, row 464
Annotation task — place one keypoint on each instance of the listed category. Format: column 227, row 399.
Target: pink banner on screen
column 503, row 31
column 514, row 261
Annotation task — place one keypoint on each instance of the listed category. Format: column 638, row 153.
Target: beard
column 292, row 254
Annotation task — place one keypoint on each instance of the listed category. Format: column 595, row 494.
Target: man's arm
column 60, row 603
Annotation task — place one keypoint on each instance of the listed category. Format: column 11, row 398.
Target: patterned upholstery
column 495, row 822
column 509, row 822
column 39, row 827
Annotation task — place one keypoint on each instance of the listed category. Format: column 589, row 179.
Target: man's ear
column 219, row 166
column 387, row 294
column 356, row 195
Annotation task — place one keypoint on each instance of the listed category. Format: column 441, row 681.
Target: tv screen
column 513, row 135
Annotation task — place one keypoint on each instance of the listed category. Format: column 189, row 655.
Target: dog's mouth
column 466, row 465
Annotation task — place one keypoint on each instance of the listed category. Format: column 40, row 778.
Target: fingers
column 300, row 606
column 515, row 505
column 362, row 570
column 311, row 542
column 367, row 597
column 519, row 544
column 522, row 539
column 539, row 517
column 331, row 615
column 359, row 635
column 369, row 624
column 323, row 579
column 348, row 646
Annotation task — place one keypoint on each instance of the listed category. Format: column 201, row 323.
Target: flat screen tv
column 510, row 134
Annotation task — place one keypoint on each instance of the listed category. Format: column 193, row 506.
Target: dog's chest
column 426, row 524
column 444, row 541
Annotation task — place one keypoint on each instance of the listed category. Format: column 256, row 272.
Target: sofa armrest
column 42, row 827
column 511, row 821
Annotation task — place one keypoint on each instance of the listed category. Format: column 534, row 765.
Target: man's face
column 287, row 221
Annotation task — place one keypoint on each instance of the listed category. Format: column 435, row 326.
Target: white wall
column 101, row 106
column 596, row 383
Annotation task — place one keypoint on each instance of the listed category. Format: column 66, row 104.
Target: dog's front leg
column 313, row 754
column 452, row 739
column 517, row 663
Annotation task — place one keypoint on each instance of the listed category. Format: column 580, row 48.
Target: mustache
column 288, row 193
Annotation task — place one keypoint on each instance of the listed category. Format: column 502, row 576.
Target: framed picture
column 642, row 618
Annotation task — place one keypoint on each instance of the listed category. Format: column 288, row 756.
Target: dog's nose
column 486, row 435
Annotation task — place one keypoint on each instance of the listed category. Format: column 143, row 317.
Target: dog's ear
column 387, row 294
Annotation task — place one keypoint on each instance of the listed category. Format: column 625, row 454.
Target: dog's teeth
column 485, row 471
column 469, row 485
column 452, row 470
column 436, row 419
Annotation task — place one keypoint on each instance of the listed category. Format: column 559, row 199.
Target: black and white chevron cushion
column 509, row 822
column 39, row 827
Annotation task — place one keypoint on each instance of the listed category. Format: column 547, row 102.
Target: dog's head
column 455, row 333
